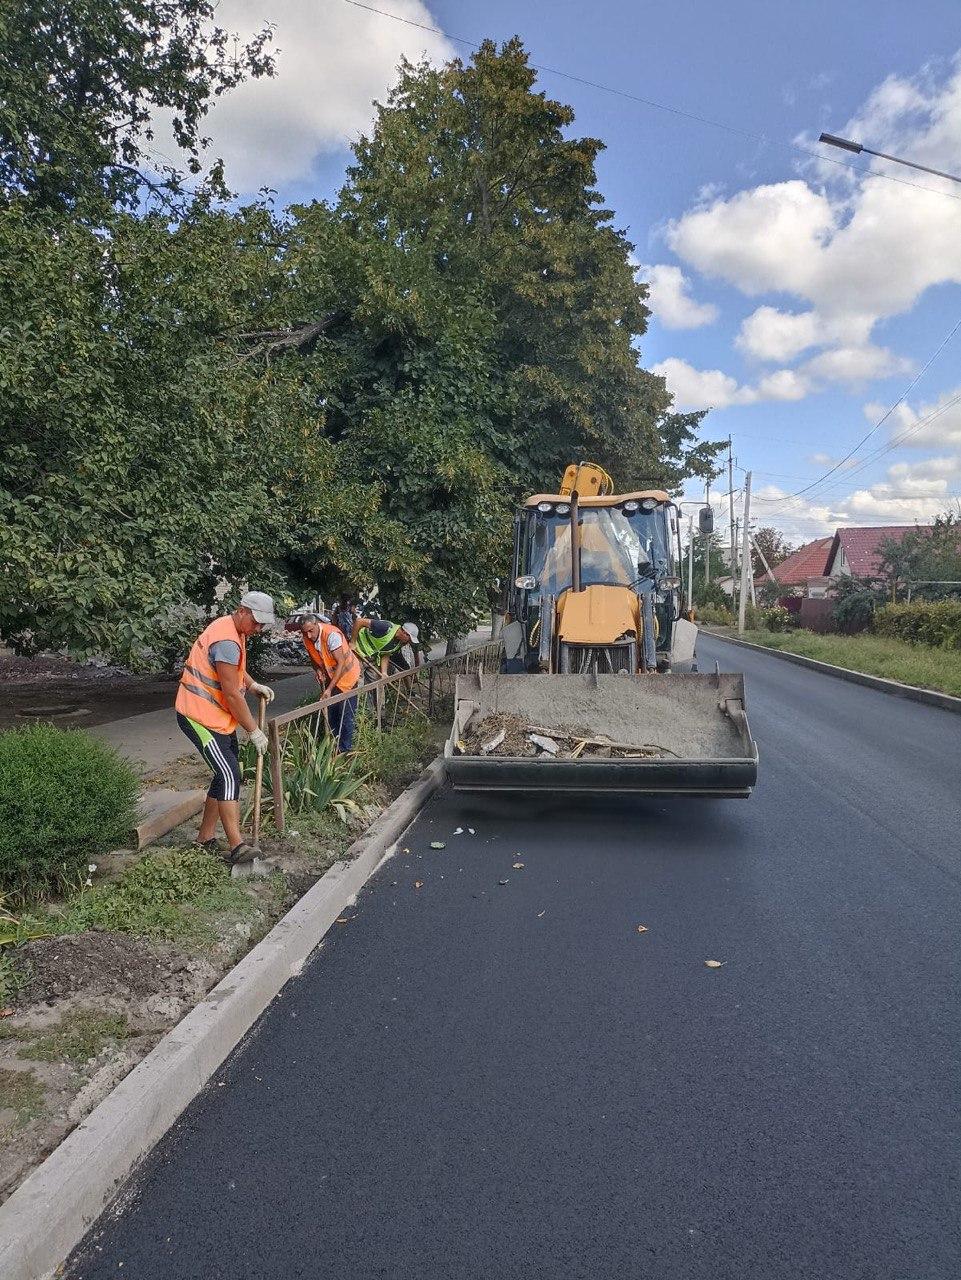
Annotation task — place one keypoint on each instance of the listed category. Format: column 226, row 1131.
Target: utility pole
column 767, row 567
column 690, row 562
column 730, row 504
column 707, row 538
column 745, row 555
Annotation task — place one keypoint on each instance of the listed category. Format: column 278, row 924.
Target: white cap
column 261, row 606
column 412, row 630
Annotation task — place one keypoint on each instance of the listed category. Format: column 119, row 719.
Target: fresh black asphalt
column 482, row 1080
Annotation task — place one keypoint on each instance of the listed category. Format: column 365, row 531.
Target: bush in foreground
column 65, row 799
column 937, row 623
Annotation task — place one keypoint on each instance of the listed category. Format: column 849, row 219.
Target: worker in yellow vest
column 337, row 668
column 211, row 702
column 380, row 642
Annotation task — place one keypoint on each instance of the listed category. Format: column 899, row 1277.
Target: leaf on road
column 438, row 844
column 418, row 884
column 503, row 882
column 715, row 964
column 458, row 831
column 518, row 866
column 471, row 831
column 642, row 928
column 541, row 913
column 343, row 919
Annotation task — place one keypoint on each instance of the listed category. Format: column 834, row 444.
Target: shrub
column 395, row 755
column 777, row 618
column 316, row 775
column 65, row 799
column 854, row 612
column 936, row 623
column 714, row 616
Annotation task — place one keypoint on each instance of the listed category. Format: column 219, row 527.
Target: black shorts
column 221, row 752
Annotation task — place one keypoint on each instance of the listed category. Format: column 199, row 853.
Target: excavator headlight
column 648, row 504
column 526, row 582
column 631, row 505
column 670, row 584
column 563, row 509
column 545, row 507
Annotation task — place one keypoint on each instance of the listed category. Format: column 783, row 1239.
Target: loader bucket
column 641, row 735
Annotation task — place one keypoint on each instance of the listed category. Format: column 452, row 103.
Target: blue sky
column 798, row 297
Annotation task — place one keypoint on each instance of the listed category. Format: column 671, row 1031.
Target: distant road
column 477, row 1081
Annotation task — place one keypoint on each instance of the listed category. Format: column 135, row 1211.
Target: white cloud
column 853, row 248
column 770, row 334
column 670, row 301
column 856, row 364
column 713, row 389
column 935, row 424
column 333, row 61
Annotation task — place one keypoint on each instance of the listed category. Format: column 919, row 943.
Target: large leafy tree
column 472, row 170
column 81, row 84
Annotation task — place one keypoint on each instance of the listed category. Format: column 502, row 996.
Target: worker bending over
column 211, row 702
column 379, row 641
column 337, row 669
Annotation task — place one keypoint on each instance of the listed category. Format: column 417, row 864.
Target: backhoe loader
column 599, row 689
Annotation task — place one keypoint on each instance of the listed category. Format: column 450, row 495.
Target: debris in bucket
column 507, row 735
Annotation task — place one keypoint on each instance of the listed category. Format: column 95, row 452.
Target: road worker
column 337, row 669
column 378, row 641
column 211, row 702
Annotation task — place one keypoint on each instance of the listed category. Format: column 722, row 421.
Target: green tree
column 930, row 555
column 773, row 545
column 81, row 83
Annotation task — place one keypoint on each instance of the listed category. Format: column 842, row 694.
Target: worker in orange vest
column 337, row 669
column 211, row 702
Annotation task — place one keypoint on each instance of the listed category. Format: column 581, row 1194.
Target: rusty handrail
column 377, row 687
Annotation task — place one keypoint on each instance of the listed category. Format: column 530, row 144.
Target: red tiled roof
column 861, row 546
column 807, row 562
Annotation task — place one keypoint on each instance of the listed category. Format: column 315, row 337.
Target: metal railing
column 419, row 690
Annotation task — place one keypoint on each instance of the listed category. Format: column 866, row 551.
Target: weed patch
column 22, row 1093
column 177, row 895
column 78, row 1036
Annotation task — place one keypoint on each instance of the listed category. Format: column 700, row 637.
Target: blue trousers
column 341, row 719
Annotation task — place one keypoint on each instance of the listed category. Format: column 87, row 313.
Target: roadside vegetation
column 875, row 655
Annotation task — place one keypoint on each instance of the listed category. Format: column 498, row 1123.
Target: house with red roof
column 807, row 562
column 856, row 552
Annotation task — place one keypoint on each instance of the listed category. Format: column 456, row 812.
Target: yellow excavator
column 599, row 689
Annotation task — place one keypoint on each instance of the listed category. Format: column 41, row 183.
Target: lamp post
column 845, row 144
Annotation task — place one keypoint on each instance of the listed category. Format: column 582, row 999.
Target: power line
column 884, row 417
column 680, row 112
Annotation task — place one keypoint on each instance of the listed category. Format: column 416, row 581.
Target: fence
column 419, row 690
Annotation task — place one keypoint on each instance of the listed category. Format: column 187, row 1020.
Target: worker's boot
column 243, row 853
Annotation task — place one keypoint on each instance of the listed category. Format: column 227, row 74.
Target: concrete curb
column 946, row 701
column 48, row 1215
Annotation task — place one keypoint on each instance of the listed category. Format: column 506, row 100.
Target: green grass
column 78, row 1036
column 22, row 1093
column 177, row 895
column 875, row 655
column 12, row 978
column 396, row 755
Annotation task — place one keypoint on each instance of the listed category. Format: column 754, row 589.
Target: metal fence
column 423, row 690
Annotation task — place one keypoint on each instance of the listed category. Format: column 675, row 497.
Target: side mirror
column 526, row 582
column 705, row 520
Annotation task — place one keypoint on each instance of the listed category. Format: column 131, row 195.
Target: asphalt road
column 484, row 1080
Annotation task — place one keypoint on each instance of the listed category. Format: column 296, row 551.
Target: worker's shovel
column 259, row 770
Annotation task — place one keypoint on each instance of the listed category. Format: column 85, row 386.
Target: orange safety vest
column 200, row 696
column 322, row 657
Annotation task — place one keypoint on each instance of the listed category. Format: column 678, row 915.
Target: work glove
column 262, row 691
column 259, row 739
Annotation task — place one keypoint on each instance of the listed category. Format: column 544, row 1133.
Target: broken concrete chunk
column 494, row 743
column 545, row 744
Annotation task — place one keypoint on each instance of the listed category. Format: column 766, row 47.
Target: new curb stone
column 48, row 1215
column 913, row 693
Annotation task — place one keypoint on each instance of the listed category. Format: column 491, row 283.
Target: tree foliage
column 82, row 83
column 326, row 398
column 929, row 555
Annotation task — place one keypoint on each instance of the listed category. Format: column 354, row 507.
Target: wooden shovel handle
column 259, row 769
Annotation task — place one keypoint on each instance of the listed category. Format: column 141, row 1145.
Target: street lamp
column 845, row 144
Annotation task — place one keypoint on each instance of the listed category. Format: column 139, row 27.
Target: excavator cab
column 587, row 574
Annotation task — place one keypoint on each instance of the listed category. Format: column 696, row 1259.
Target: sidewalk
column 153, row 739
